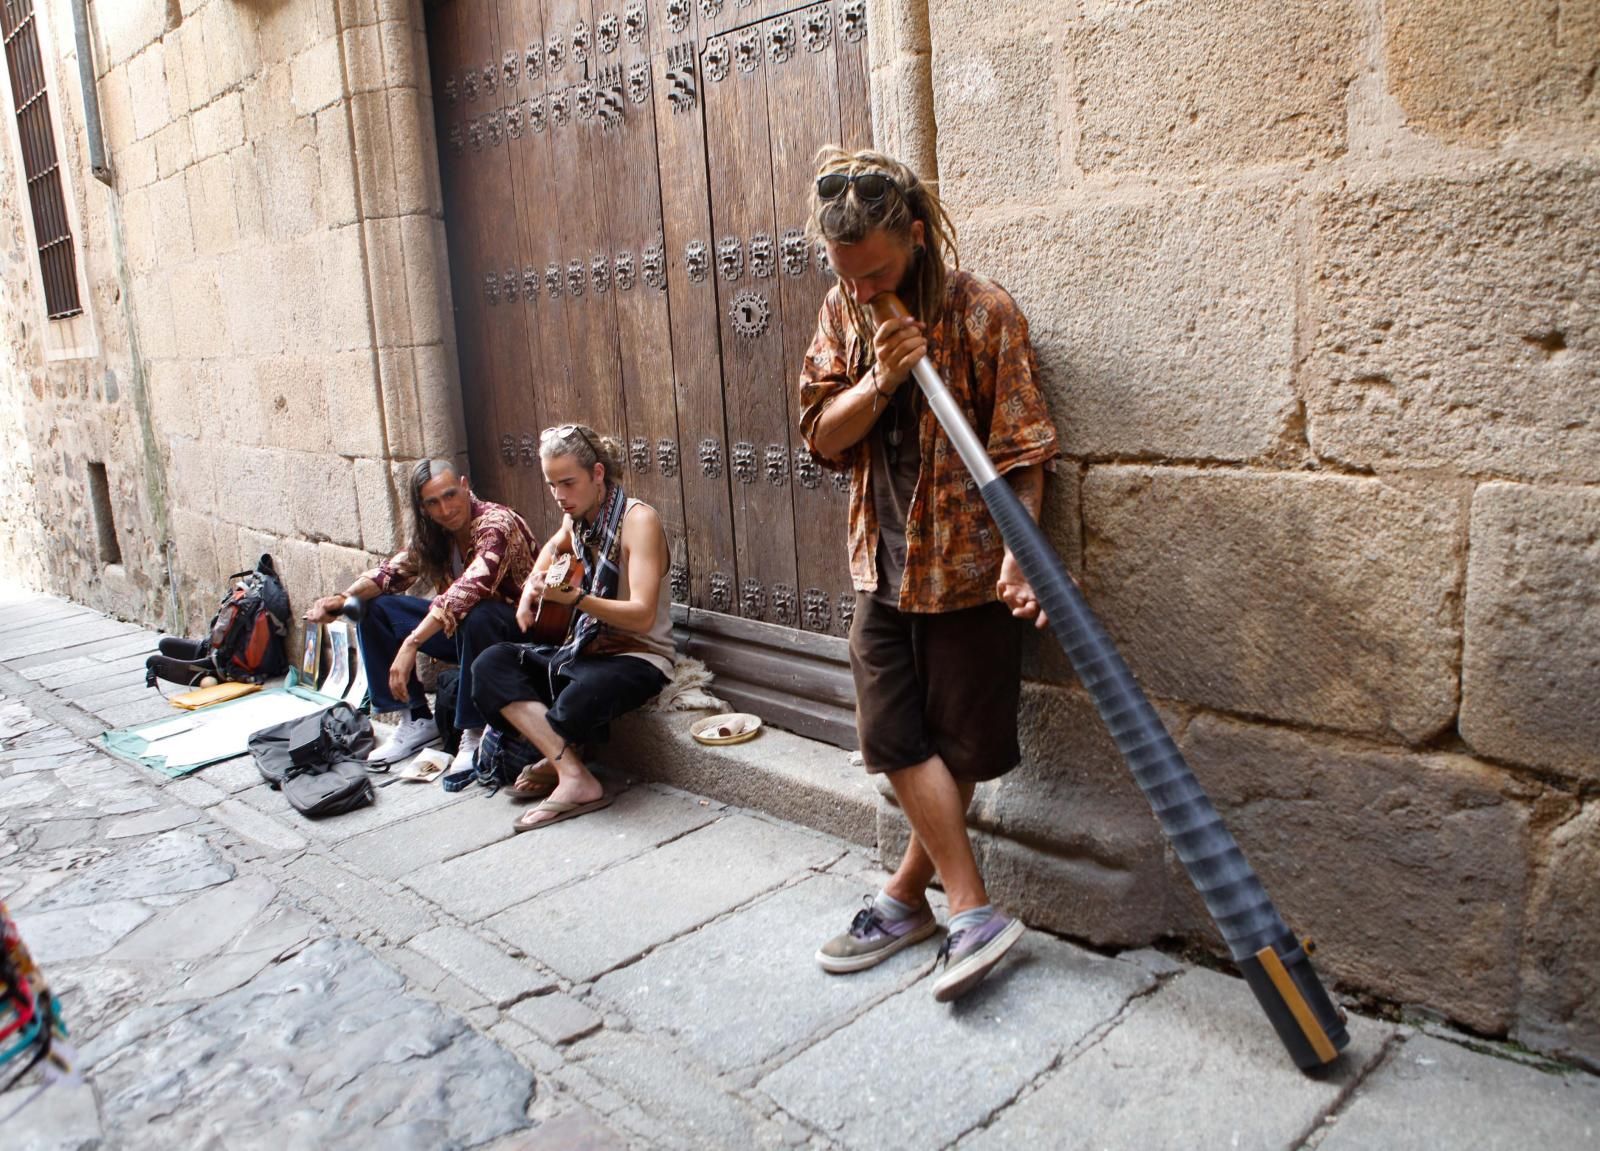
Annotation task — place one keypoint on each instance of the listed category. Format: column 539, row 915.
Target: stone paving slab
column 233, row 775
column 195, row 928
column 258, row 826
column 35, row 640
column 557, row 1018
column 915, row 1073
column 598, row 923
column 677, row 1106
column 97, row 653
column 401, row 848
column 325, row 1050
column 395, row 917
column 76, row 683
column 120, row 715
column 477, row 885
column 740, row 991
column 55, row 936
column 392, row 802
column 1430, row 1094
column 480, row 965
column 169, row 864
column 1203, row 1048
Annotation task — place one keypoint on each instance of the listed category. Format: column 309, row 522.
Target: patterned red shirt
column 498, row 560
column 980, row 347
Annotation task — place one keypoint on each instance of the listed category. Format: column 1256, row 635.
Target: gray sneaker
column 971, row 954
column 873, row 937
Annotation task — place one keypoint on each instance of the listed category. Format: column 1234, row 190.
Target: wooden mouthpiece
column 886, row 306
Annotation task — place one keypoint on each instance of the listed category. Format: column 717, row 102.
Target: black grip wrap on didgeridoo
column 1238, row 902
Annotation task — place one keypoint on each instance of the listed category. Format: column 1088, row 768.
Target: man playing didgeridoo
column 618, row 650
column 933, row 648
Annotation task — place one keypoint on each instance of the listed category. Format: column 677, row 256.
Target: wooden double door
column 626, row 186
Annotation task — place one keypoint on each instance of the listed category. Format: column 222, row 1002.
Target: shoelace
column 945, row 948
column 866, row 919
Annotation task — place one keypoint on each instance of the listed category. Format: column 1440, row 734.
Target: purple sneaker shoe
column 970, row 955
column 873, row 937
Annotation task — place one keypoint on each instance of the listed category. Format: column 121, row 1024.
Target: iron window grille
column 41, row 165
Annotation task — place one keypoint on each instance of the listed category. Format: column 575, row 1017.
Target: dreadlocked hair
column 849, row 220
column 428, row 544
column 588, row 446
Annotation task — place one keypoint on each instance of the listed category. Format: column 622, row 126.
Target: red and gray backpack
column 245, row 641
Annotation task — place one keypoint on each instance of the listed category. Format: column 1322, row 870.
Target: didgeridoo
column 1276, row 965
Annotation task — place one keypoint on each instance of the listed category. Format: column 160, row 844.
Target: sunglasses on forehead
column 870, row 186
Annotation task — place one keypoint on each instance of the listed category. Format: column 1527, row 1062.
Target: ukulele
column 552, row 620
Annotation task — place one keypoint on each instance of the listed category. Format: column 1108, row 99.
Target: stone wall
column 271, row 290
column 1315, row 290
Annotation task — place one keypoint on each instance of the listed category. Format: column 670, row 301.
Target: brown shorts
column 942, row 684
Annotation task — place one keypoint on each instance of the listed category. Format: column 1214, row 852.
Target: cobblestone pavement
column 411, row 975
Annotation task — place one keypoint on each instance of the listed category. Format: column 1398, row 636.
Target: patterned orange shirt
column 495, row 567
column 980, row 347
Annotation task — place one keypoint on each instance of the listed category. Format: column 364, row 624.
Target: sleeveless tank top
column 655, row 645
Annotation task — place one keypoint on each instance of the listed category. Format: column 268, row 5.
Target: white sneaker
column 409, row 738
column 470, row 739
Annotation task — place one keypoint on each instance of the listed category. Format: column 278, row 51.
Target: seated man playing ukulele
column 618, row 649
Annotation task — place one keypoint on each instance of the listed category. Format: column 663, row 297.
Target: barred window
column 41, row 163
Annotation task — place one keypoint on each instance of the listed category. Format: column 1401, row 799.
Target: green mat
column 188, row 741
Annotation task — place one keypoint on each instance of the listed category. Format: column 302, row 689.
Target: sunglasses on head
column 564, row 431
column 870, row 186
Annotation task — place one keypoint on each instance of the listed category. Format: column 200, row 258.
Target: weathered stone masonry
column 1314, row 287
column 1315, row 290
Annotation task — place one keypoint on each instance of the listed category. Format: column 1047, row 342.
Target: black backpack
column 245, row 641
column 316, row 760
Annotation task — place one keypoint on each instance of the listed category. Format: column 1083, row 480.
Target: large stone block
column 322, row 493
column 174, row 148
column 996, row 81
column 344, row 289
column 290, row 180
column 219, row 126
column 1165, row 327
column 1183, row 87
column 255, row 326
column 317, row 77
column 169, row 211
column 341, row 565
column 292, row 404
column 1530, row 677
column 297, row 297
column 232, row 49
column 355, row 424
column 260, row 480
column 209, row 186
column 375, row 504
column 200, row 322
column 1458, row 323
column 374, row 152
column 124, row 29
column 337, row 170
column 1475, row 73
column 1559, row 1011
column 1316, row 599
column 1072, row 799
column 147, row 80
column 1409, row 871
column 427, row 277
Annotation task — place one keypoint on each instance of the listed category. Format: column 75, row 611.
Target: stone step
column 782, row 774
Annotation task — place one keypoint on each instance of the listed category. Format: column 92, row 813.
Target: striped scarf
column 600, row 548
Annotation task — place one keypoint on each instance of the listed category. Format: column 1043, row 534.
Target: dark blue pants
column 390, row 618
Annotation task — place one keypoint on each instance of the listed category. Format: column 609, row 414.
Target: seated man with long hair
column 618, row 651
column 477, row 555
